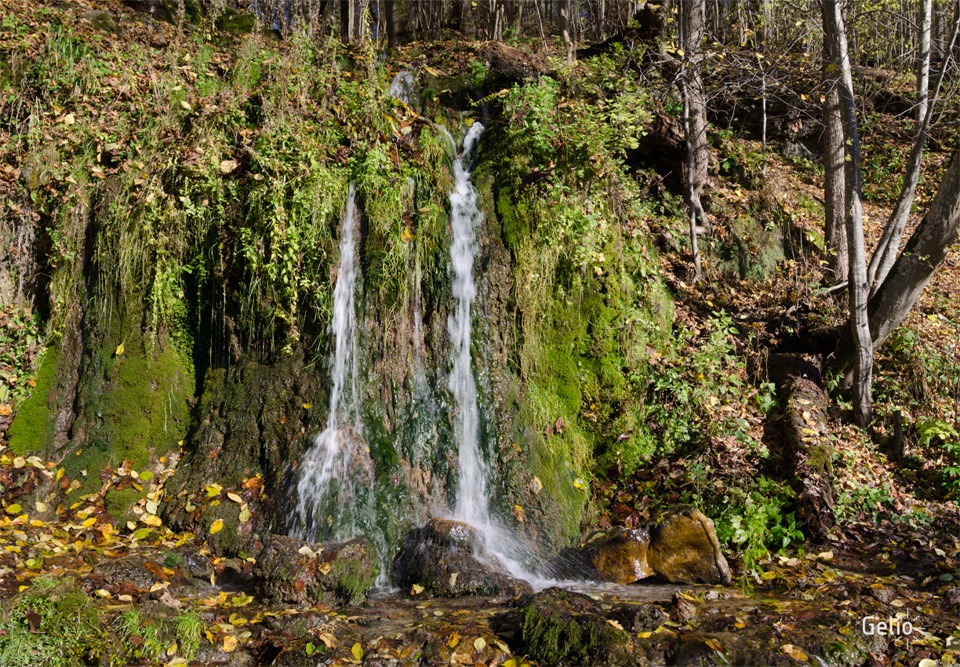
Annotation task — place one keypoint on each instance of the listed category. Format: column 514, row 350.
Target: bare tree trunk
column 835, row 34
column 391, row 19
column 834, row 202
column 565, row 30
column 694, row 118
column 886, row 252
column 923, row 254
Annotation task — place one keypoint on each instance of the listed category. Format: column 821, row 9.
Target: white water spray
column 338, row 460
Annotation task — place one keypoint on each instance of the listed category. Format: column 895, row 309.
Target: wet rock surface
column 291, row 571
column 683, row 548
column 439, row 559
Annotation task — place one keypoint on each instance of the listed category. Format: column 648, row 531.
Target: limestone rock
column 563, row 627
column 440, row 557
column 684, row 549
column 291, row 571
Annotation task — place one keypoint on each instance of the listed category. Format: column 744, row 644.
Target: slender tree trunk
column 565, row 30
column 391, row 19
column 835, row 34
column 923, row 254
column 886, row 252
column 346, row 21
column 694, row 118
column 834, row 202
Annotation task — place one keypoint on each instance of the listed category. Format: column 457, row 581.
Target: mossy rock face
column 291, row 571
column 560, row 627
column 33, row 428
column 132, row 404
column 250, row 420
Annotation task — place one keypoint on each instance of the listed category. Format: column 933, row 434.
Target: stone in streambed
column 682, row 549
column 291, row 571
column 562, row 627
column 440, row 558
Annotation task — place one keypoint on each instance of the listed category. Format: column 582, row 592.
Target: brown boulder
column 291, row 571
column 684, row 549
column 441, row 558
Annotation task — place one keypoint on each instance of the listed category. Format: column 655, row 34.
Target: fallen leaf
column 216, row 526
column 416, row 589
column 479, row 643
column 229, row 644
column 357, row 651
column 452, row 641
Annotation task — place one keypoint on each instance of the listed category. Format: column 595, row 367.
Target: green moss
column 559, row 634
column 33, row 428
column 119, row 504
column 135, row 405
column 354, row 578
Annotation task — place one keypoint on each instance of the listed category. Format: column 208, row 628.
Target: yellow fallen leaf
column 213, row 490
column 416, row 589
column 357, row 651
column 119, row 350
column 89, row 523
column 452, row 641
column 216, row 527
column 328, row 639
column 307, row 406
column 795, row 652
column 41, row 507
column 229, row 644
column 244, row 515
column 479, row 643
column 234, row 497
column 13, row 509
column 151, row 520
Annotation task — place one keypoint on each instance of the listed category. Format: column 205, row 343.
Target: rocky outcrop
column 439, row 559
column 291, row 571
column 681, row 549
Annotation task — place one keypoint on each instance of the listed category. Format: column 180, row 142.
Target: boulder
column 638, row 617
column 441, row 558
column 562, row 627
column 295, row 572
column 684, row 549
column 132, row 570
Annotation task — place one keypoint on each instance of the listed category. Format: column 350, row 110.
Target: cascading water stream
column 338, row 463
column 473, row 502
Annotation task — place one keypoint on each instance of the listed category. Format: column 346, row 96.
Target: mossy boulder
column 560, row 627
column 292, row 571
column 33, row 428
column 441, row 557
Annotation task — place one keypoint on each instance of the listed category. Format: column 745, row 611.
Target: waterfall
column 336, row 474
column 473, row 502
